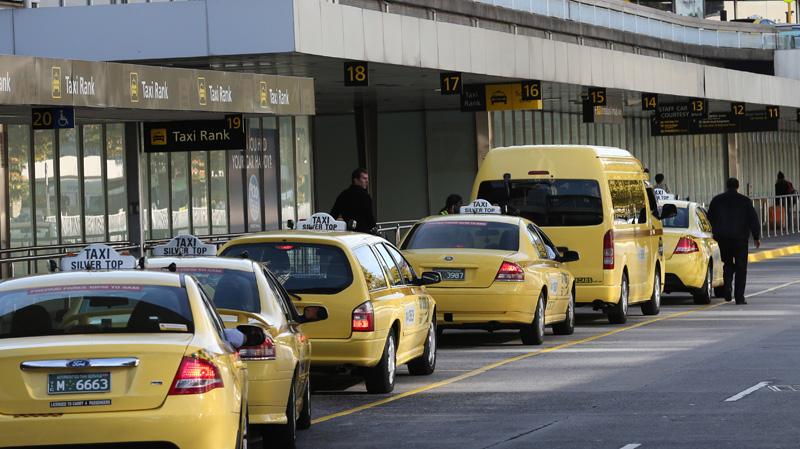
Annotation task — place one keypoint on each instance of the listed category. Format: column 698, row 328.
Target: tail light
column 264, row 351
column 685, row 246
column 364, row 318
column 195, row 376
column 608, row 250
column 510, row 271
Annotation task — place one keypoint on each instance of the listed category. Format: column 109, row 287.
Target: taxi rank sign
column 195, row 135
column 97, row 257
column 185, row 245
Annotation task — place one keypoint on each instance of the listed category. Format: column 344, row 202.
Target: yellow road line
column 774, row 253
column 507, row 361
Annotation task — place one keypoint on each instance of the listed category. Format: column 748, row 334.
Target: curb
column 774, row 253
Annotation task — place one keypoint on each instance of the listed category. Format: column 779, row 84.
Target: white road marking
column 772, row 289
column 631, row 446
column 744, row 393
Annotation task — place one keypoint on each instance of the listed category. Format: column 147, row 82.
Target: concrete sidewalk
column 774, row 247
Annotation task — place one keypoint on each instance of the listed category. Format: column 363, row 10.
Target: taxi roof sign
column 321, row 222
column 98, row 256
column 662, row 195
column 480, row 206
column 185, row 245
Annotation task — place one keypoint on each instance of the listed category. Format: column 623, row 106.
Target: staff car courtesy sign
column 98, row 257
column 321, row 222
column 480, row 206
column 185, row 245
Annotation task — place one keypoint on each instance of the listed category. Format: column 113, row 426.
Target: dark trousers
column 734, row 259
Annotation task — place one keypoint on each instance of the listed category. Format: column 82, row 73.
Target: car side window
column 282, row 297
column 373, row 273
column 405, row 268
column 216, row 320
column 537, row 242
column 702, row 218
column 629, row 201
column 391, row 267
column 550, row 250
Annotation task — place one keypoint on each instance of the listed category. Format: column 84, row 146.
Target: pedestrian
column 452, row 205
column 733, row 219
column 782, row 186
column 354, row 204
column 660, row 184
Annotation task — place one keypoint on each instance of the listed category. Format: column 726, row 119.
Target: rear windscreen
column 548, row 202
column 679, row 221
column 94, row 309
column 464, row 234
column 301, row 267
column 228, row 289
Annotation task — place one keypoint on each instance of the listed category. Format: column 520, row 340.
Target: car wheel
column 567, row 327
column 618, row 313
column 653, row 306
column 426, row 363
column 283, row 436
column 380, row 378
column 304, row 418
column 533, row 333
column 703, row 294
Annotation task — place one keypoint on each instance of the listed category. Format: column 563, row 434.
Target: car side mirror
column 428, row 278
column 235, row 337
column 569, row 256
column 313, row 313
column 668, row 211
column 253, row 335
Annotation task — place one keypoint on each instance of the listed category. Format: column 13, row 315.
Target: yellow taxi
column 497, row 272
column 118, row 357
column 693, row 261
column 379, row 316
column 245, row 292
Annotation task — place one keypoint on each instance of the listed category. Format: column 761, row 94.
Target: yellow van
column 595, row 201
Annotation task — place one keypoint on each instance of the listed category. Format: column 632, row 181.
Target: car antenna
column 141, row 263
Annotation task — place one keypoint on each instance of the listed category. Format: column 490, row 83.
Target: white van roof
column 600, row 151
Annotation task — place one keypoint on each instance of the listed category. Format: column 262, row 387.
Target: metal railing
column 394, row 231
column 778, row 215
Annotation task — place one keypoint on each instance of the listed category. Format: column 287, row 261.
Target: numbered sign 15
column 531, row 90
column 356, row 73
column 597, row 96
column 649, row 102
column 450, row 83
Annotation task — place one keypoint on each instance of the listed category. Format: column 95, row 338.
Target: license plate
column 456, row 274
column 78, row 383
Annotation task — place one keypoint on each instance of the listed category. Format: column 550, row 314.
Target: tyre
column 618, row 313
column 653, row 306
column 703, row 294
column 533, row 334
column 426, row 363
column 304, row 417
column 567, row 327
column 283, row 436
column 380, row 378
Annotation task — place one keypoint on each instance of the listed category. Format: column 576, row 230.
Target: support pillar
column 134, row 182
column 483, row 135
column 366, row 115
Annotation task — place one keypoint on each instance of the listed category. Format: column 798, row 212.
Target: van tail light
column 510, row 271
column 195, row 376
column 264, row 351
column 608, row 250
column 364, row 318
column 685, row 246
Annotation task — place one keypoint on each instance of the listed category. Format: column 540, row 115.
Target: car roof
column 679, row 203
column 349, row 239
column 599, row 151
column 492, row 218
column 137, row 277
column 227, row 263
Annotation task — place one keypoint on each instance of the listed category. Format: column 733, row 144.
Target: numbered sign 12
column 738, row 109
column 450, row 83
column 356, row 73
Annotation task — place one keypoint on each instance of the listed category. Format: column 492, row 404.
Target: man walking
column 355, row 204
column 733, row 220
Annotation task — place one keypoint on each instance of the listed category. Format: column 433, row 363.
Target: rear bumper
column 186, row 422
column 506, row 304
column 690, row 269
column 587, row 294
column 362, row 349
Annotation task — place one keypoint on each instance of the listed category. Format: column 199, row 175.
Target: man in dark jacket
column 733, row 220
column 355, row 204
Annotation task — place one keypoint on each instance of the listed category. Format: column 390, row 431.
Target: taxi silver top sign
column 321, row 222
column 480, row 206
column 97, row 256
column 185, row 245
column 662, row 195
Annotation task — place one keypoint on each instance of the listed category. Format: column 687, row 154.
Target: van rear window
column 548, row 202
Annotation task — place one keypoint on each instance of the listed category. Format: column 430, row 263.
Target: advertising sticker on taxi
column 185, row 245
column 321, row 222
column 480, row 206
column 97, row 257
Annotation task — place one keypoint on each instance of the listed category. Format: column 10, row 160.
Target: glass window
column 373, row 273
column 681, row 220
column 405, row 268
column 282, row 297
column 497, row 129
column 219, row 192
column 159, row 196
column 287, row 169
column 70, row 193
column 46, row 200
column 200, row 193
column 93, row 191
column 300, row 267
column 391, row 267
column 549, row 202
column 628, row 200
column 466, row 233
column 19, row 191
column 116, row 184
column 702, row 218
column 537, row 243
column 302, row 132
column 85, row 309
column 180, row 193
column 228, row 289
